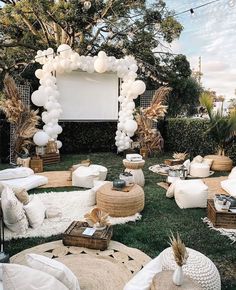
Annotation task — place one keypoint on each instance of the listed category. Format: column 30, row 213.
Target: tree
column 118, row 27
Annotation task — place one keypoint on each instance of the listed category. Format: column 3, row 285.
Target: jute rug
column 56, row 179
column 213, row 184
column 95, row 270
column 73, row 205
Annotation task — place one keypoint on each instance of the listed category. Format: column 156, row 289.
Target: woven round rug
column 100, row 270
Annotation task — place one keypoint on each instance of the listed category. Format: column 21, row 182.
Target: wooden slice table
column 163, row 281
column 119, row 203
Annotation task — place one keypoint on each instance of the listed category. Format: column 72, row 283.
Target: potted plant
column 222, row 130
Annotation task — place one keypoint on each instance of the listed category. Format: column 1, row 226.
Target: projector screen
column 88, row 97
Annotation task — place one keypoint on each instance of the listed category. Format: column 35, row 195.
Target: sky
column 211, row 34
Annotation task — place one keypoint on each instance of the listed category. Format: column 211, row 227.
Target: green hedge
column 188, row 134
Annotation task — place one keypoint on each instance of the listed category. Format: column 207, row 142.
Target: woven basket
column 220, row 163
column 133, row 164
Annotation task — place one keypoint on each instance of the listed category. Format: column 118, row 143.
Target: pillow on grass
column 17, row 172
column 13, row 214
column 35, row 211
column 54, row 268
column 19, row 277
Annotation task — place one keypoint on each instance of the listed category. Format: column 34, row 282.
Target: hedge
column 188, row 134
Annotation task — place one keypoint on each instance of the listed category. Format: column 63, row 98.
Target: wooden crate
column 172, row 162
column 220, row 219
column 50, row 158
column 73, row 236
column 36, row 164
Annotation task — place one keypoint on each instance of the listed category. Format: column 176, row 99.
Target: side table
column 163, row 280
column 135, row 168
column 119, row 203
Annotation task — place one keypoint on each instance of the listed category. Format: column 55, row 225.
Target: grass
column 159, row 217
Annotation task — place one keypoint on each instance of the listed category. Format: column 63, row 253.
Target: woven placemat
column 56, row 179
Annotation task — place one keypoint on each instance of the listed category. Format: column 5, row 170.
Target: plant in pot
column 222, row 129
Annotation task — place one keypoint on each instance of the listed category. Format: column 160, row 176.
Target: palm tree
column 222, row 128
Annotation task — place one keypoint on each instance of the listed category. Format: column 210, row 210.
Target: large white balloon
column 131, row 126
column 39, row 98
column 40, row 138
column 64, row 50
column 100, row 65
column 59, row 144
column 138, row 87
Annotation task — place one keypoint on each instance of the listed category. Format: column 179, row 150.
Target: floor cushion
column 19, row 277
column 229, row 185
column 13, row 213
column 199, row 170
column 84, row 176
column 54, row 268
column 190, row 193
column 26, row 183
column 13, row 173
column 232, row 174
column 35, row 211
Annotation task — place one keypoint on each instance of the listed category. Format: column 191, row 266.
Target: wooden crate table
column 163, row 281
column 50, row 158
column 120, row 203
column 135, row 168
column 220, row 219
column 74, row 236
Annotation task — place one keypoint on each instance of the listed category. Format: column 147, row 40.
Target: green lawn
column 160, row 216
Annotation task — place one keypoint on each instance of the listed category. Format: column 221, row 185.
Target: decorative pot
column 178, row 276
column 118, row 183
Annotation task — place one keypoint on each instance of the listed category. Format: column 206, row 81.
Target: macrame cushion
column 198, row 267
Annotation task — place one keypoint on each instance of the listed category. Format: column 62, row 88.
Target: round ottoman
column 220, row 163
column 198, row 267
column 135, row 168
column 119, row 203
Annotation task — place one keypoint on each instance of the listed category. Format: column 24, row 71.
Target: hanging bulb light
column 191, row 11
column 87, row 5
column 231, row 3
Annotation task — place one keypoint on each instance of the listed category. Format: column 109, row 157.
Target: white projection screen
column 88, row 97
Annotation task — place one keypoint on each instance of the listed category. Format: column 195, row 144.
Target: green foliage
column 191, row 135
column 160, row 216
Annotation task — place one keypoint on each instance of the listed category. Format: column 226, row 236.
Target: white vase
column 178, row 276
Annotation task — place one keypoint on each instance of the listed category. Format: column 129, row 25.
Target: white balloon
column 39, row 73
column 130, row 106
column 100, row 65
column 59, row 144
column 54, row 113
column 138, row 87
column 58, row 129
column 133, row 68
column 38, row 98
column 102, row 54
column 41, row 138
column 131, row 126
column 64, row 50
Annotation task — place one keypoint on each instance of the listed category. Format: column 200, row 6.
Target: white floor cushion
column 199, row 170
column 232, row 174
column 35, row 211
column 13, row 173
column 19, row 277
column 229, row 185
column 13, row 213
column 27, row 183
column 54, row 268
column 191, row 193
column 85, row 176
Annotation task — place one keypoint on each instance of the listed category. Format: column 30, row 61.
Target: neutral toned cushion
column 229, row 185
column 199, row 170
column 171, row 190
column 19, row 277
column 197, row 159
column 191, row 193
column 35, row 211
column 13, row 214
column 207, row 161
column 22, row 195
column 54, row 268
column 17, row 172
column 232, row 174
column 53, row 212
column 27, row 183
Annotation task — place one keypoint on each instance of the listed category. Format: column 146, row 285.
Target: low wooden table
column 119, row 203
column 74, row 236
column 163, row 280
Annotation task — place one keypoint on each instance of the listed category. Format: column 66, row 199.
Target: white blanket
column 27, row 183
column 74, row 205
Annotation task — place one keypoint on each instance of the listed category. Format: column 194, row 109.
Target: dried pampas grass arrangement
column 97, row 217
column 179, row 250
column 24, row 119
column 180, row 155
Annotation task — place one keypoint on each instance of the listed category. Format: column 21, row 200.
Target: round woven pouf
column 163, row 280
column 135, row 168
column 198, row 267
column 220, row 163
column 119, row 203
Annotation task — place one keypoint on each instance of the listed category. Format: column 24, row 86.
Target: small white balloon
column 59, row 144
column 64, row 50
column 39, row 73
column 40, row 138
column 100, row 65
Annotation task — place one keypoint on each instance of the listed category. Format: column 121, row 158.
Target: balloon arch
column 66, row 60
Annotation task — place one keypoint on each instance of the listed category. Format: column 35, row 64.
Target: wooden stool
column 163, row 280
column 135, row 168
column 119, row 203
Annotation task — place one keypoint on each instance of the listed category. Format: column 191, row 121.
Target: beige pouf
column 135, row 168
column 119, row 203
column 220, row 163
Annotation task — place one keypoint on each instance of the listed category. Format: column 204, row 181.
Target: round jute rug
column 100, row 270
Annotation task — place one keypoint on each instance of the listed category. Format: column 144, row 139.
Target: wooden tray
column 73, row 236
column 220, row 219
column 124, row 189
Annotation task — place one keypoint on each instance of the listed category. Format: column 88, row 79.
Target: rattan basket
column 220, row 163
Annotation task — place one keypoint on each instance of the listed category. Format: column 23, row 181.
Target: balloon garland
column 67, row 60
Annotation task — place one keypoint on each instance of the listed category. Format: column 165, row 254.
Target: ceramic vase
column 178, row 276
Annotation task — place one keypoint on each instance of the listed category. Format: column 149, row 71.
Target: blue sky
column 211, row 34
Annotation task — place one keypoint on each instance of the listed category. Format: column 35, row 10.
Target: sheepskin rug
column 73, row 204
